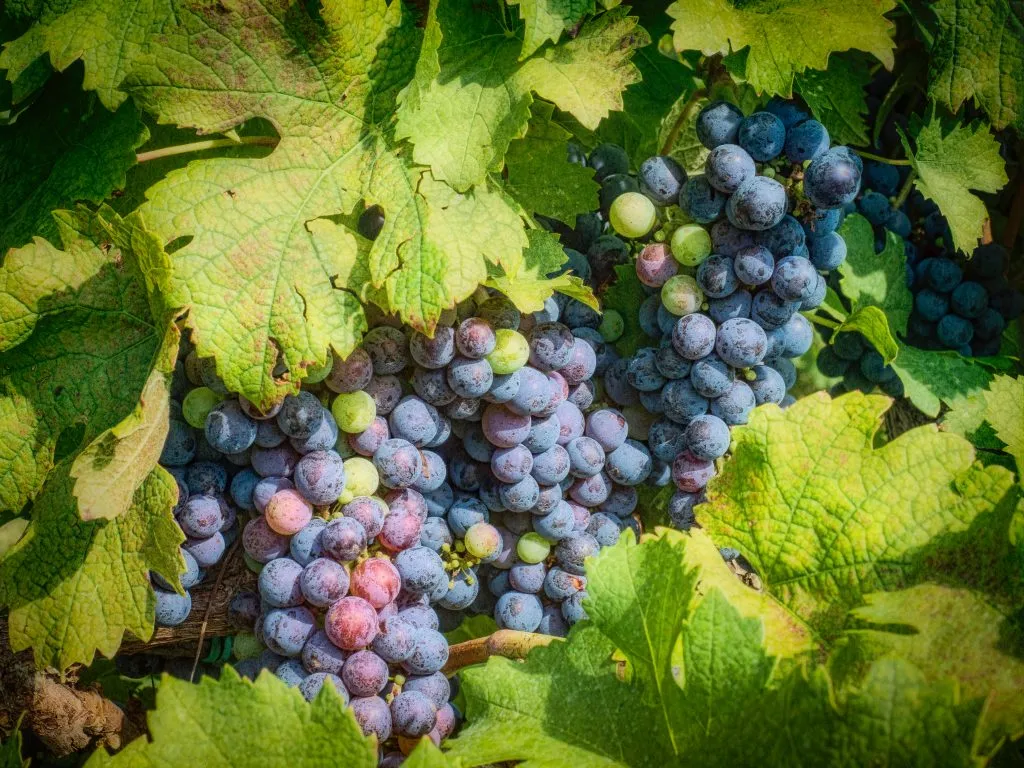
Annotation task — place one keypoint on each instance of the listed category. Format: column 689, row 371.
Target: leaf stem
column 901, row 198
column 505, row 642
column 684, row 115
column 199, row 146
column 880, row 159
column 824, row 322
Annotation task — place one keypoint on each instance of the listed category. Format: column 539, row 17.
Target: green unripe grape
column 691, row 244
column 197, row 405
column 532, row 548
column 253, row 565
column 246, row 646
column 483, row 540
column 361, row 478
column 317, row 373
column 632, row 215
column 510, row 353
column 354, row 411
column 681, row 295
column 611, row 326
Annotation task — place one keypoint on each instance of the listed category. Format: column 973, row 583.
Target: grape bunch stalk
column 741, row 251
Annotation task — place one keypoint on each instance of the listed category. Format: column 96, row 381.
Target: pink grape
column 287, row 512
column 351, row 623
column 369, row 440
column 504, row 428
column 690, row 473
column 377, row 581
column 446, row 721
column 407, row 501
column 369, row 512
column 262, row 543
column 365, row 673
column 400, row 531
column 655, row 265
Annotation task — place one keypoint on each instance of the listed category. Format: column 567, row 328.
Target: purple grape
column 551, row 466
column 707, row 437
column 369, row 440
column 373, row 715
column 763, row 135
column 533, row 395
column 519, row 611
column 716, row 277
column 436, row 352
column 642, row 372
column 432, row 386
column 323, row 581
column 429, row 652
column 475, row 338
column 320, row 477
column 690, row 473
column 201, row 517
column 386, row 391
column 510, row 465
column 832, row 179
column 586, row 457
column 207, row 552
column 300, row 415
column 629, row 464
column 398, row 462
column 388, row 349
column 413, row 714
column 310, row 687
column 365, row 673
column 413, row 420
column 505, row 428
column 735, row 404
column 274, row 462
column 351, row 374
column 286, row 630
column 305, row 546
column 394, row 643
column 344, row 539
column 728, row 167
column 591, row 491
column 620, row 502
column 280, row 584
column 570, row 423
column 694, row 336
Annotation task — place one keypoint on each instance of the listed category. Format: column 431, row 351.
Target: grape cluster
column 727, row 285
column 861, row 366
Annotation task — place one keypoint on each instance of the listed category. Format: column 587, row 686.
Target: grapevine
column 446, row 383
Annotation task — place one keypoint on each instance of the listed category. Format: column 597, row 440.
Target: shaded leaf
column 878, row 279
column 546, row 20
column 837, row 98
column 933, row 378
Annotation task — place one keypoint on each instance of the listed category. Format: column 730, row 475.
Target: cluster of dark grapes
column 851, row 356
column 741, row 251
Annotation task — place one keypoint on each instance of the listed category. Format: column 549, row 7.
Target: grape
column 528, row 577
column 785, row 368
column 591, row 491
column 436, row 533
column 351, row 374
column 206, row 477
column 385, row 391
column 500, row 313
column 954, row 331
column 711, row 377
column 510, row 353
column 434, row 473
column 701, row 201
column 387, row 348
column 670, row 363
column 694, row 336
column 376, row 581
column 510, row 465
column 969, row 299
column 931, row 305
column 432, row 386
column 794, row 278
column 319, row 654
column 279, row 583
column 268, row 434
column 193, row 573
column 570, row 423
column 532, row 397
column 551, row 466
column 407, row 501
column 261, row 542
column 551, row 346
column 874, row 207
column 770, row 311
column 629, row 464
column 201, row 517
column 434, row 352
column 457, row 594
column 351, row 623
column 305, row 546
column 420, row 569
column 483, row 541
column 395, row 641
column 832, row 179
column 465, row 474
column 300, row 415
column 503, row 427
column 364, row 673
column 767, row 386
column 429, row 652
column 373, row 715
column 690, row 245
column 581, row 366
column 620, row 502
column 690, row 473
column 707, row 437
column 228, row 429
column 718, row 123
column 758, row 204
column 520, row 496
column 467, row 378
column 180, row 446
column 571, row 553
column 532, row 548
column 560, row 584
column 806, row 141
column 413, row 420
column 354, row 412
column 171, row 608
column 611, row 328
column 989, row 325
column 274, row 462
column 324, row 438
column 343, row 539
column 735, row 404
column 655, row 264
column 586, row 457
column 642, row 371
column 632, row 214
column 874, row 369
column 827, row 252
column 413, row 714
column 287, row 512
column 285, row 630
column 504, row 387
column 398, row 462
column 572, row 607
column 741, row 343
column 763, row 135
column 311, row 686
column 727, row 167
column 817, row 296
column 822, row 222
column 754, row 265
column 556, row 524
column 197, row 405
column 681, row 295
column 477, row 445
column 434, row 686
column 291, row 673
column 661, row 178
column 519, row 611
column 361, row 478
column 319, row 477
column 666, row 438
column 608, row 159
column 682, row 402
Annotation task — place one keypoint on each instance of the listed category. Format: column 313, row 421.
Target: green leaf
column 838, row 518
column 625, row 295
column 878, row 279
column 73, row 587
column 784, row 38
column 979, row 55
column 524, row 279
column 837, row 98
column 61, row 150
column 540, row 176
column 1004, row 405
column 547, row 19
column 951, row 159
column 872, row 323
column 471, row 628
column 966, row 417
column 956, row 634
column 472, row 94
column 694, row 670
column 933, row 378
column 83, row 328
column 10, row 750
column 10, row 532
column 237, row 723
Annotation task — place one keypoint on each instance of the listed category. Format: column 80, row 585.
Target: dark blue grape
column 661, row 178
column 510, row 465
column 503, row 388
column 931, row 305
column 787, row 111
column 770, row 311
column 300, row 415
column 680, row 509
column 754, row 265
column 716, row 276
column 607, row 159
column 642, row 372
column 520, row 496
column 736, row 304
column 784, row 239
column 388, row 349
column 586, row 457
column 557, row 524
column 171, row 608
column 954, row 331
column 206, row 477
column 434, row 352
column 969, row 299
column 718, row 123
column 517, row 610
column 822, row 221
column 763, row 135
column 629, row 464
column 806, row 141
column 827, row 253
column 728, row 167
column 989, row 325
column 741, row 343
column 180, row 446
column 711, row 377
column 694, row 336
column 616, row 383
column 832, row 179
column 873, row 366
column 551, row 466
column 874, row 207
column 734, row 406
column 572, row 608
column 759, row 204
column 670, row 363
column 666, row 439
column 729, row 240
column 551, row 346
column 768, row 385
column 988, row 261
column 682, row 402
column 701, row 201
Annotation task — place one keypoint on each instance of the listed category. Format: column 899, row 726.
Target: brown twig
column 209, row 607
column 684, row 115
column 508, row 643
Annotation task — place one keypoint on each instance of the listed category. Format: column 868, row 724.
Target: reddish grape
column 351, row 623
column 377, row 581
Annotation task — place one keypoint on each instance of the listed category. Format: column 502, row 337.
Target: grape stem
column 209, row 607
column 819, row 320
column 200, row 146
column 880, row 159
column 684, row 115
column 901, row 198
column 508, row 643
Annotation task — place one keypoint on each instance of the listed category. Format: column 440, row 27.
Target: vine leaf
column 695, row 669
column 540, row 176
column 873, row 325
column 83, row 329
column 838, row 518
column 956, row 634
column 53, row 157
column 524, row 279
column 878, row 279
column 235, row 722
column 782, row 39
column 933, row 378
column 66, row 599
column 991, row 418
column 950, row 160
column 837, row 97
column 10, row 750
column 547, row 19
column 979, row 54
column 471, row 96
